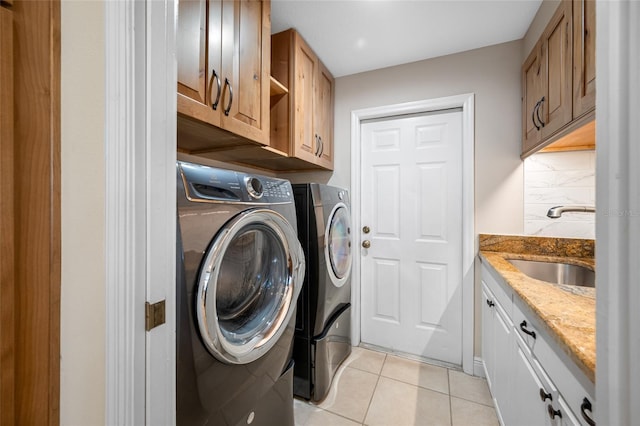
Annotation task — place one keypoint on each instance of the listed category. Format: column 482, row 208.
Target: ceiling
column 354, row 36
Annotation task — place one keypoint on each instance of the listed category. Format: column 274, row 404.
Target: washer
column 240, row 269
column 323, row 323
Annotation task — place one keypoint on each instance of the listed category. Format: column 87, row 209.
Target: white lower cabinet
column 497, row 336
column 527, row 385
column 531, row 383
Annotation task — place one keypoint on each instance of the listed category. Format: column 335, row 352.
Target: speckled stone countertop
column 569, row 312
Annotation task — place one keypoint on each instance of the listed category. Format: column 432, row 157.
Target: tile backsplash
column 559, row 179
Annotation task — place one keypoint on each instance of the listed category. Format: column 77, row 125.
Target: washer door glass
column 339, row 244
column 249, row 285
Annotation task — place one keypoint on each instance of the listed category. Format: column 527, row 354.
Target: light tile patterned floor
column 377, row 389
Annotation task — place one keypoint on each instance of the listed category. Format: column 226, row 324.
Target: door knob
column 366, row 244
column 366, row 229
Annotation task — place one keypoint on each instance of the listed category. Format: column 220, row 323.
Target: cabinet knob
column 553, row 413
column 366, row 229
column 544, row 395
column 366, row 244
column 490, row 303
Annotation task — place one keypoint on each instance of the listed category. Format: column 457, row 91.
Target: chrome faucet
column 556, row 212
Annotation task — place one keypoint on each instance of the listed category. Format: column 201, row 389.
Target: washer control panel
column 278, row 190
column 204, row 183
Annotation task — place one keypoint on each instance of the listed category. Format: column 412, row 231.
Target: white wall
column 559, row 179
column 82, row 346
column 493, row 74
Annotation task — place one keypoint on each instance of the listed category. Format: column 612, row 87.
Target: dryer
column 323, row 324
column 240, row 270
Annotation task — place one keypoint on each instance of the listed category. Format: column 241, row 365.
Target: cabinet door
column 568, row 418
column 305, row 144
column 504, row 354
column 199, row 57
column 497, row 352
column 323, row 109
column 557, row 51
column 246, row 43
column 532, row 75
column 530, row 410
column 488, row 339
column 584, row 57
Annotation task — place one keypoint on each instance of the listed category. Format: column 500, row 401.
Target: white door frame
column 140, row 161
column 617, row 212
column 466, row 102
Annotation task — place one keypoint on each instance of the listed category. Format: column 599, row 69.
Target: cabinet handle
column 317, row 145
column 214, row 105
column 533, row 115
column 321, row 146
column 523, row 326
column 586, row 406
column 538, row 112
column 228, row 108
column 544, row 396
column 490, row 303
column 553, row 413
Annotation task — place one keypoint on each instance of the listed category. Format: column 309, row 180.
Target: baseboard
column 478, row 367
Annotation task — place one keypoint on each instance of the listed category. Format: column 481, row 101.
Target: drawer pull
column 542, row 123
column 490, row 303
column 215, row 76
column 544, row 396
column 586, row 406
column 523, row 327
column 553, row 413
column 533, row 115
column 228, row 108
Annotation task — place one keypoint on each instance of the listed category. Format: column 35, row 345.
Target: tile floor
column 374, row 388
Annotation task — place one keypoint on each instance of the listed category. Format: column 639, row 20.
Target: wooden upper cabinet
column 584, row 57
column 223, row 54
column 198, row 53
column 558, row 81
column 305, row 75
column 302, row 121
column 246, row 39
column 532, row 78
column 557, row 48
column 324, row 116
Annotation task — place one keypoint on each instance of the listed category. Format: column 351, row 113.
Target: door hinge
column 154, row 315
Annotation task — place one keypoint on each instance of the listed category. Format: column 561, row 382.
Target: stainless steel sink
column 556, row 272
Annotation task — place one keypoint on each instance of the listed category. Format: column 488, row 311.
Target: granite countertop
column 569, row 312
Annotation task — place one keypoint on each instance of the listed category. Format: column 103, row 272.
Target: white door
column 411, row 276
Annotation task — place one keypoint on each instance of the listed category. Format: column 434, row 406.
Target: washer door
column 338, row 244
column 248, row 286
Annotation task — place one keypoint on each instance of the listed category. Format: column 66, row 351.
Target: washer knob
column 254, row 187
